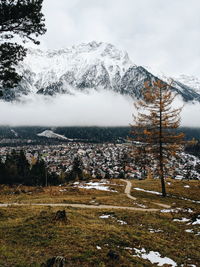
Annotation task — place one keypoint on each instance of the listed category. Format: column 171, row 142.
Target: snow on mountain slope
column 190, row 81
column 78, row 58
column 83, row 67
column 186, row 86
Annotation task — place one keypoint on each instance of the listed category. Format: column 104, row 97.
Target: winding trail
column 85, row 206
column 127, row 191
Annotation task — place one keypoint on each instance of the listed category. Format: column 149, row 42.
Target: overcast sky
column 164, row 35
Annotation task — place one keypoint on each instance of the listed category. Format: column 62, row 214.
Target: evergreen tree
column 24, row 19
column 16, row 168
column 154, row 125
column 53, row 179
column 11, row 172
column 23, row 167
column 2, row 172
column 77, row 169
column 38, row 173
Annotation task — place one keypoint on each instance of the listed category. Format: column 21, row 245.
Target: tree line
column 16, row 169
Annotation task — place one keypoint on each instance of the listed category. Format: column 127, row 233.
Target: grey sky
column 164, row 35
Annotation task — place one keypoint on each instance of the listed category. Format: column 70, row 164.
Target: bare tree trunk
column 162, row 178
column 161, row 149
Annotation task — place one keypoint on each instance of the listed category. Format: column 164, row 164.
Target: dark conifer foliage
column 38, row 173
column 22, row 19
column 2, row 172
column 77, row 170
column 17, row 170
column 194, row 149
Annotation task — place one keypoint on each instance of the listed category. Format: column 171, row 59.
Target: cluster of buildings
column 99, row 160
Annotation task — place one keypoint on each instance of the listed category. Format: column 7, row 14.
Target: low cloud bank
column 103, row 108
column 191, row 115
column 97, row 108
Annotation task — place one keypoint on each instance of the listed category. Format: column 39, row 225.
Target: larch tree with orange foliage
column 155, row 121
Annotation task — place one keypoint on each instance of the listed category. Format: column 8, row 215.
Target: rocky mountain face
column 84, row 67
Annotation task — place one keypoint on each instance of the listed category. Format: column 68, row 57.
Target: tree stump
column 55, row 262
column 60, row 216
column 113, row 255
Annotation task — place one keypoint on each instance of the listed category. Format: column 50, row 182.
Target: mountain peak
column 81, row 67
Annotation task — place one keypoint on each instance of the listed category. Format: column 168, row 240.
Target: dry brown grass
column 175, row 190
column 29, row 235
column 66, row 194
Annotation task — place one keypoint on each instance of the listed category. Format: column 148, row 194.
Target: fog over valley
column 97, row 108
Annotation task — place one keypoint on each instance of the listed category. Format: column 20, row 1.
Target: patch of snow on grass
column 196, row 222
column 176, row 210
column 95, row 185
column 155, row 230
column 62, row 190
column 154, row 257
column 179, row 177
column 189, row 231
column 188, row 199
column 121, row 222
column 169, row 210
column 188, row 265
column 147, row 191
column 128, row 248
column 105, row 216
column 189, row 210
column 140, row 205
column 181, row 220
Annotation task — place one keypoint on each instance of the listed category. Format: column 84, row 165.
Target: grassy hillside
column 30, row 235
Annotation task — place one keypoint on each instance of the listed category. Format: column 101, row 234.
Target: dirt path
column 127, row 191
column 85, row 206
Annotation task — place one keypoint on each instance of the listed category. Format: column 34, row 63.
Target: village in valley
column 102, row 160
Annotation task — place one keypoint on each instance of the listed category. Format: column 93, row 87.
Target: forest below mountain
column 87, row 134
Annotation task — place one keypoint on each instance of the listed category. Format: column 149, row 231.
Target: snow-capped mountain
column 84, row 67
column 190, row 81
